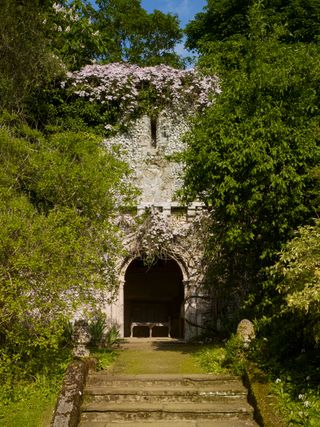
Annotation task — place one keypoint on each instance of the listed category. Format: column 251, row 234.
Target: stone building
column 161, row 276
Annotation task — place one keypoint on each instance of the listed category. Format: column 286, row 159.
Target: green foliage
column 59, row 196
column 236, row 355
column 133, row 35
column 249, row 156
column 59, row 110
column 225, row 19
column 102, row 334
column 219, row 21
column 39, row 42
column 291, row 369
column 112, row 336
column 221, row 359
column 297, row 275
column 72, row 34
column 112, row 31
column 298, row 402
column 26, row 61
column 97, row 328
column 212, row 359
column 28, row 398
column 105, row 358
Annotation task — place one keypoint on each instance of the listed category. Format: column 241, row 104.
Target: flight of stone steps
column 165, row 400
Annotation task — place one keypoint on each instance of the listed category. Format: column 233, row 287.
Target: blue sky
column 185, row 9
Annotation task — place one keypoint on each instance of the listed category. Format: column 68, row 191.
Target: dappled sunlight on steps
column 192, row 400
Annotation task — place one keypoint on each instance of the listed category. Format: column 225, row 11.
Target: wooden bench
column 151, row 325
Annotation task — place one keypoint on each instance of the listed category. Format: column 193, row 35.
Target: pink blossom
column 130, row 86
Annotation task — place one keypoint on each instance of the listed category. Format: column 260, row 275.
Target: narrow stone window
column 153, row 125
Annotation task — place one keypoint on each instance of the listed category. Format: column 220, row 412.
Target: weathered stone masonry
column 169, row 232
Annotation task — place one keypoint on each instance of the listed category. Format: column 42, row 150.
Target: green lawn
column 159, row 357
column 32, row 405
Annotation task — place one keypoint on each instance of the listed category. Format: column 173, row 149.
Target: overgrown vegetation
column 253, row 159
column 223, row 357
column 30, row 400
column 293, row 380
column 212, row 359
column 60, row 189
column 105, row 357
column 59, row 197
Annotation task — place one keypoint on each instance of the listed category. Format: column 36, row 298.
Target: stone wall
column 168, row 229
column 146, row 146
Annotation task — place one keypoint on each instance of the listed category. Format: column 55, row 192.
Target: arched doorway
column 154, row 294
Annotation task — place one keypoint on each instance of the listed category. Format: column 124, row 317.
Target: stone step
column 164, row 411
column 165, row 400
column 138, row 381
column 231, row 422
column 160, row 394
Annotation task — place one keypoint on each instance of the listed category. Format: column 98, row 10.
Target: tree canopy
column 298, row 278
column 26, row 61
column 39, row 43
column 59, row 197
column 250, row 156
column 223, row 19
column 131, row 34
column 112, row 31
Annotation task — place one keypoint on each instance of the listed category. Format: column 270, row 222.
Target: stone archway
column 154, row 294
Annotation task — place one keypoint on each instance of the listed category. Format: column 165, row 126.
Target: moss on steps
column 266, row 413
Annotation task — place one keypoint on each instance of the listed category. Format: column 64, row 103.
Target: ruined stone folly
column 161, row 274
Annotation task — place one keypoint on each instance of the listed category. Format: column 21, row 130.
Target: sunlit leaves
column 59, row 198
column 299, row 269
column 249, row 156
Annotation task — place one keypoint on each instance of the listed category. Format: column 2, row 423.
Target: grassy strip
column 29, row 399
column 104, row 357
column 298, row 399
column 212, row 359
column 33, row 409
column 33, row 403
column 261, row 398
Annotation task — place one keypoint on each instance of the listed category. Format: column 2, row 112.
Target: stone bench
column 151, row 325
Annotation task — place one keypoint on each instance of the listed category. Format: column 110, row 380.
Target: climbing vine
column 157, row 235
column 130, row 90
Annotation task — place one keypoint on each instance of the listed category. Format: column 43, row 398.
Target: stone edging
column 67, row 410
column 265, row 412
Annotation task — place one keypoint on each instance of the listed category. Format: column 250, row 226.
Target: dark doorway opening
column 154, row 295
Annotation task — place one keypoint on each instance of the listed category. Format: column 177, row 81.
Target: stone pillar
column 189, row 311
column 81, row 338
column 121, row 308
column 114, row 310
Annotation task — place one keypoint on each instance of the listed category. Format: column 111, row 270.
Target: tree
column 248, row 158
column 133, row 35
column 220, row 20
column 26, row 61
column 59, row 197
column 114, row 31
column 299, row 271
column 223, row 19
column 72, row 34
column 40, row 42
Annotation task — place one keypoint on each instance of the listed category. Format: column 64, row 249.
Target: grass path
column 140, row 356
